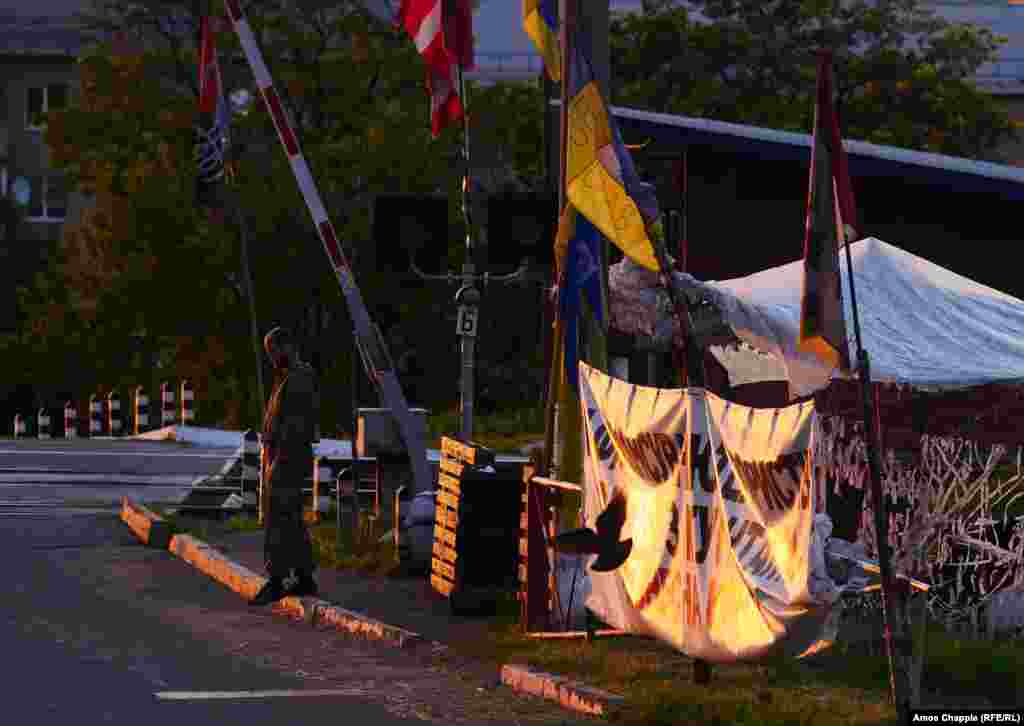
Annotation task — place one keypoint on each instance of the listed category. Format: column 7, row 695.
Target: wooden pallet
column 459, row 463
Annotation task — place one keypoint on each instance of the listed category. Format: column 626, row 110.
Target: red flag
column 425, row 21
column 212, row 124
column 209, row 71
column 459, row 32
column 830, row 220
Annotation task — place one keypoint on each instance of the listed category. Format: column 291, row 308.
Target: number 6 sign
column 466, row 324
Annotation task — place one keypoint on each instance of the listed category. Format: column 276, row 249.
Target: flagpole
column 232, row 198
column 250, row 295
column 695, row 372
column 467, row 295
column 551, row 415
column 899, row 680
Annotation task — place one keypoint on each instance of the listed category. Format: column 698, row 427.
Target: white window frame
column 46, row 218
column 29, row 126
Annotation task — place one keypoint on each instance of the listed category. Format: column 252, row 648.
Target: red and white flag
column 214, row 119
column 209, row 69
column 443, row 33
column 459, row 32
column 830, row 222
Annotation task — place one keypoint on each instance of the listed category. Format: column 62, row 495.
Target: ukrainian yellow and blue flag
column 601, row 181
column 540, row 21
column 578, row 250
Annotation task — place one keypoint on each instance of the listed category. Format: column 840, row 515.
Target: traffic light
column 405, row 224
column 521, row 225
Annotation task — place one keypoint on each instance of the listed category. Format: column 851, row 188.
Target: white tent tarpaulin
column 729, row 545
column 921, row 323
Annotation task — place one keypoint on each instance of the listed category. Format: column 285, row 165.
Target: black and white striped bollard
column 166, row 404
column 114, row 421
column 95, row 415
column 141, row 410
column 70, row 420
column 187, row 400
column 43, row 424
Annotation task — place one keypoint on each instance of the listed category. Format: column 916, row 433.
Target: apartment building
column 37, row 74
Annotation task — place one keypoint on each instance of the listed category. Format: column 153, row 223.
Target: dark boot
column 272, row 591
column 305, row 586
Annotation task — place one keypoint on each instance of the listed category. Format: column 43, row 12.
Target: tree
column 507, row 120
column 902, row 73
column 141, row 263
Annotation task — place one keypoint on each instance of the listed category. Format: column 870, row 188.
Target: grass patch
column 350, row 553
column 840, row 686
column 505, row 431
column 659, row 685
column 992, row 669
column 204, row 527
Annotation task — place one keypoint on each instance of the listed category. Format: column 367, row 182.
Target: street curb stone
column 148, row 526
column 568, row 693
column 152, row 529
column 247, row 583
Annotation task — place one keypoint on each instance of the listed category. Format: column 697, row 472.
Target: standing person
column 288, row 433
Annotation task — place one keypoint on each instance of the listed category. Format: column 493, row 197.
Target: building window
column 42, row 99
column 49, row 202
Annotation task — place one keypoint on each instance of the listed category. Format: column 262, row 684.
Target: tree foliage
column 142, row 268
column 902, row 73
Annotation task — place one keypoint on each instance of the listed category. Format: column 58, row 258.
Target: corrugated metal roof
column 672, row 132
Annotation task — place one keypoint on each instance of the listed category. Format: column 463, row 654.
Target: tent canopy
column 921, row 324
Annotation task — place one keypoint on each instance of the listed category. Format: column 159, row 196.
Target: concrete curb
column 247, row 583
column 570, row 694
column 148, row 526
column 153, row 530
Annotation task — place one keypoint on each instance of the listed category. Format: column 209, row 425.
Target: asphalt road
column 97, row 629
column 99, row 472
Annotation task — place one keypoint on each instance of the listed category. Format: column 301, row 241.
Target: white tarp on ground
column 218, row 438
column 728, row 558
column 921, row 323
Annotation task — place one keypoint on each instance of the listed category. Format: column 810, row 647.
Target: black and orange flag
column 830, row 223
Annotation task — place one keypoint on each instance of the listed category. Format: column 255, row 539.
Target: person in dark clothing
column 288, row 433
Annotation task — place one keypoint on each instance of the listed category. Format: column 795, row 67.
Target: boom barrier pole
column 376, row 358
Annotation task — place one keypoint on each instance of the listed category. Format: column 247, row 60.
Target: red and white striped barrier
column 70, row 420
column 19, row 425
column 188, row 413
column 378, row 363
column 96, row 415
column 114, row 420
column 43, row 424
column 166, row 404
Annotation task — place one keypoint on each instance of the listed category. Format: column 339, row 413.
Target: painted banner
column 726, row 562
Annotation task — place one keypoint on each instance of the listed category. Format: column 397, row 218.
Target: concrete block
column 570, row 694
column 148, row 526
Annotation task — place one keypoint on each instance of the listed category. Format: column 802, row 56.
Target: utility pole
column 467, row 298
column 592, row 17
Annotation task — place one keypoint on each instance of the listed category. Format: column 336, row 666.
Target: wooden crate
column 475, row 518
